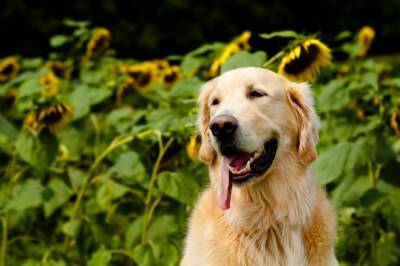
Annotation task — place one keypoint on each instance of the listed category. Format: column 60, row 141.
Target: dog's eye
column 256, row 94
column 215, row 101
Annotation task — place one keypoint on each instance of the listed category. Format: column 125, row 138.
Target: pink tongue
column 226, row 184
column 240, row 160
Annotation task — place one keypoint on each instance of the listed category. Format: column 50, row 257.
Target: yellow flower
column 170, row 75
column 304, row 62
column 395, row 121
column 98, row 44
column 365, row 39
column 49, row 84
column 58, row 68
column 243, row 40
column 192, row 148
column 344, row 69
column 142, row 75
column 52, row 117
column 160, row 63
column 9, row 68
column 238, row 44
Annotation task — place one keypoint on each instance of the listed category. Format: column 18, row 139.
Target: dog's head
column 250, row 117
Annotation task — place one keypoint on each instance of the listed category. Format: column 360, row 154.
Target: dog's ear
column 206, row 153
column 301, row 102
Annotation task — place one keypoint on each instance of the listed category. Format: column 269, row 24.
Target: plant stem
column 123, row 252
column 5, row 219
column 149, row 208
column 4, row 236
column 273, row 59
column 114, row 144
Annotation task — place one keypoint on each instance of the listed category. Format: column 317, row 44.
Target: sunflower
column 142, row 74
column 9, row 68
column 49, row 84
column 192, row 148
column 58, row 68
column 160, row 64
column 365, row 39
column 304, row 62
column 395, row 121
column 9, row 99
column 170, row 75
column 52, row 117
column 98, row 44
column 238, row 44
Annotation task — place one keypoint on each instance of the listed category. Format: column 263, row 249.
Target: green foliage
column 113, row 184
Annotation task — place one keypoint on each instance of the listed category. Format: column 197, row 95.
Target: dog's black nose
column 224, row 126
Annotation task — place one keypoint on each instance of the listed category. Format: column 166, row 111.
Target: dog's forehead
column 250, row 76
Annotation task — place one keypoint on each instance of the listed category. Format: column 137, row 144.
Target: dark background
column 150, row 28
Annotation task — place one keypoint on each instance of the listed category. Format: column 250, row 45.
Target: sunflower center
column 58, row 70
column 143, row 79
column 100, row 44
column 171, row 77
column 52, row 117
column 306, row 58
column 7, row 70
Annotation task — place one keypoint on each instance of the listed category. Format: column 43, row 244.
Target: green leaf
column 333, row 96
column 61, row 195
column 26, row 195
column 76, row 24
column 28, row 88
column 387, row 250
column 188, row 88
column 129, row 167
column 360, row 153
column 72, row 138
column 190, row 65
column 177, row 186
column 72, row 228
column 124, row 118
column 162, row 227
column 143, row 255
column 58, row 40
column 83, row 97
column 7, row 129
column 350, row 189
column 109, row 191
column 372, row 197
column 159, row 253
column 134, row 232
column 40, row 151
column 77, row 178
column 331, row 163
column 101, row 257
column 244, row 59
column 370, row 79
column 279, row 34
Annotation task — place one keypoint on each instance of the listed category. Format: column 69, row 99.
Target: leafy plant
column 98, row 154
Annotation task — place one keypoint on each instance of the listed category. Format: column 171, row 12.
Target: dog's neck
column 285, row 196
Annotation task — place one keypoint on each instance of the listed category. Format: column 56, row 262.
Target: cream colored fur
column 281, row 218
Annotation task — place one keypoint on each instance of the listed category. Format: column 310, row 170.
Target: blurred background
column 150, row 29
column 98, row 142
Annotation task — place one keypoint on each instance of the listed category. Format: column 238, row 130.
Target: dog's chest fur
column 246, row 236
column 260, row 240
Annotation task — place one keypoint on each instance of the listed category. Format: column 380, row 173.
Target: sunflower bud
column 365, row 38
column 192, row 148
column 238, row 44
column 9, row 68
column 304, row 61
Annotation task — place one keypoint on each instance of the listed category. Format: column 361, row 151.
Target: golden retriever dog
column 263, row 206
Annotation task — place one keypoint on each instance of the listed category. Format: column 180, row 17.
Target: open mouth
column 242, row 167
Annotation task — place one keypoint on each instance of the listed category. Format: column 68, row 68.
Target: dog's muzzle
column 224, row 128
